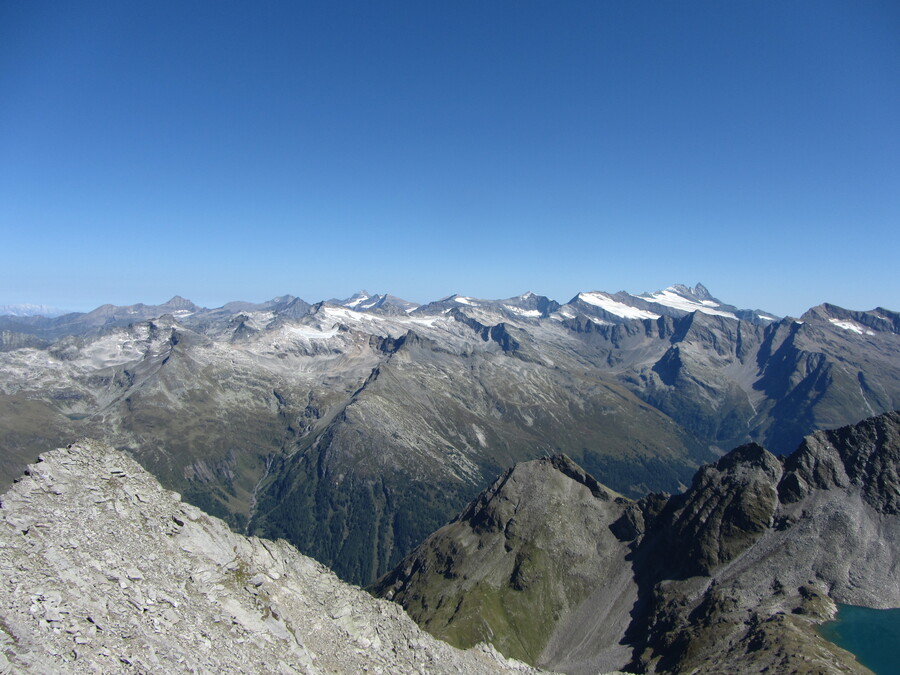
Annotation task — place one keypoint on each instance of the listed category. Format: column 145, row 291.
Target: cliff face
column 737, row 570
column 104, row 571
column 864, row 457
column 820, row 528
column 730, row 504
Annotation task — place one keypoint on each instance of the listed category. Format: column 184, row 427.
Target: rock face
column 816, row 530
column 728, row 507
column 522, row 556
column 104, row 571
column 865, row 456
column 732, row 575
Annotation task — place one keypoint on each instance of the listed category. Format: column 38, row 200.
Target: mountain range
column 355, row 428
column 733, row 575
column 104, row 570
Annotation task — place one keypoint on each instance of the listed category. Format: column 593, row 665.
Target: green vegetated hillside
column 355, row 434
column 555, row 569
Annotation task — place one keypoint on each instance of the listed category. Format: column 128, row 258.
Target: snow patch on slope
column 671, row 298
column 851, row 326
column 356, row 301
column 531, row 313
column 376, row 323
column 309, row 332
column 606, row 303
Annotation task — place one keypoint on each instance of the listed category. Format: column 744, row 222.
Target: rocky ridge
column 734, row 573
column 104, row 571
column 521, row 556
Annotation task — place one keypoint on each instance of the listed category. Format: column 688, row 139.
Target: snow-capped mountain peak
column 357, row 299
column 363, row 301
column 674, row 301
column 697, row 299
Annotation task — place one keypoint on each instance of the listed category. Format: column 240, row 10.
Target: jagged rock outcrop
column 866, row 455
column 732, row 576
column 749, row 584
column 520, row 558
column 104, row 571
column 728, row 507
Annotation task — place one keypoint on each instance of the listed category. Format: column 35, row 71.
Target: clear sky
column 243, row 150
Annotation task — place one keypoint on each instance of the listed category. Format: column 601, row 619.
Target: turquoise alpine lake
column 872, row 635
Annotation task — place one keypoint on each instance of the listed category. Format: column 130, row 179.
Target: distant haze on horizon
column 227, row 151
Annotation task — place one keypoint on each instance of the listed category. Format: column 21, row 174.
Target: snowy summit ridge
column 602, row 307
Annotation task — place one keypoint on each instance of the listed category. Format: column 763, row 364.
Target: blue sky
column 225, row 150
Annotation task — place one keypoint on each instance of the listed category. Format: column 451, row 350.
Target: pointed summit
column 699, row 292
column 179, row 303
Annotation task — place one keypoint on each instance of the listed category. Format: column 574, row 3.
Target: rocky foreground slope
column 731, row 576
column 104, row 571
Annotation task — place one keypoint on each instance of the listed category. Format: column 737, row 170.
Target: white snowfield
column 356, row 301
column 310, row 332
column 852, row 326
column 377, row 324
column 671, row 298
column 603, row 301
column 563, row 314
column 529, row 313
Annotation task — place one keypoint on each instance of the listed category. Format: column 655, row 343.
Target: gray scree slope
column 104, row 571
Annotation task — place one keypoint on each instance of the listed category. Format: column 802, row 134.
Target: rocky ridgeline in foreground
column 104, row 571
